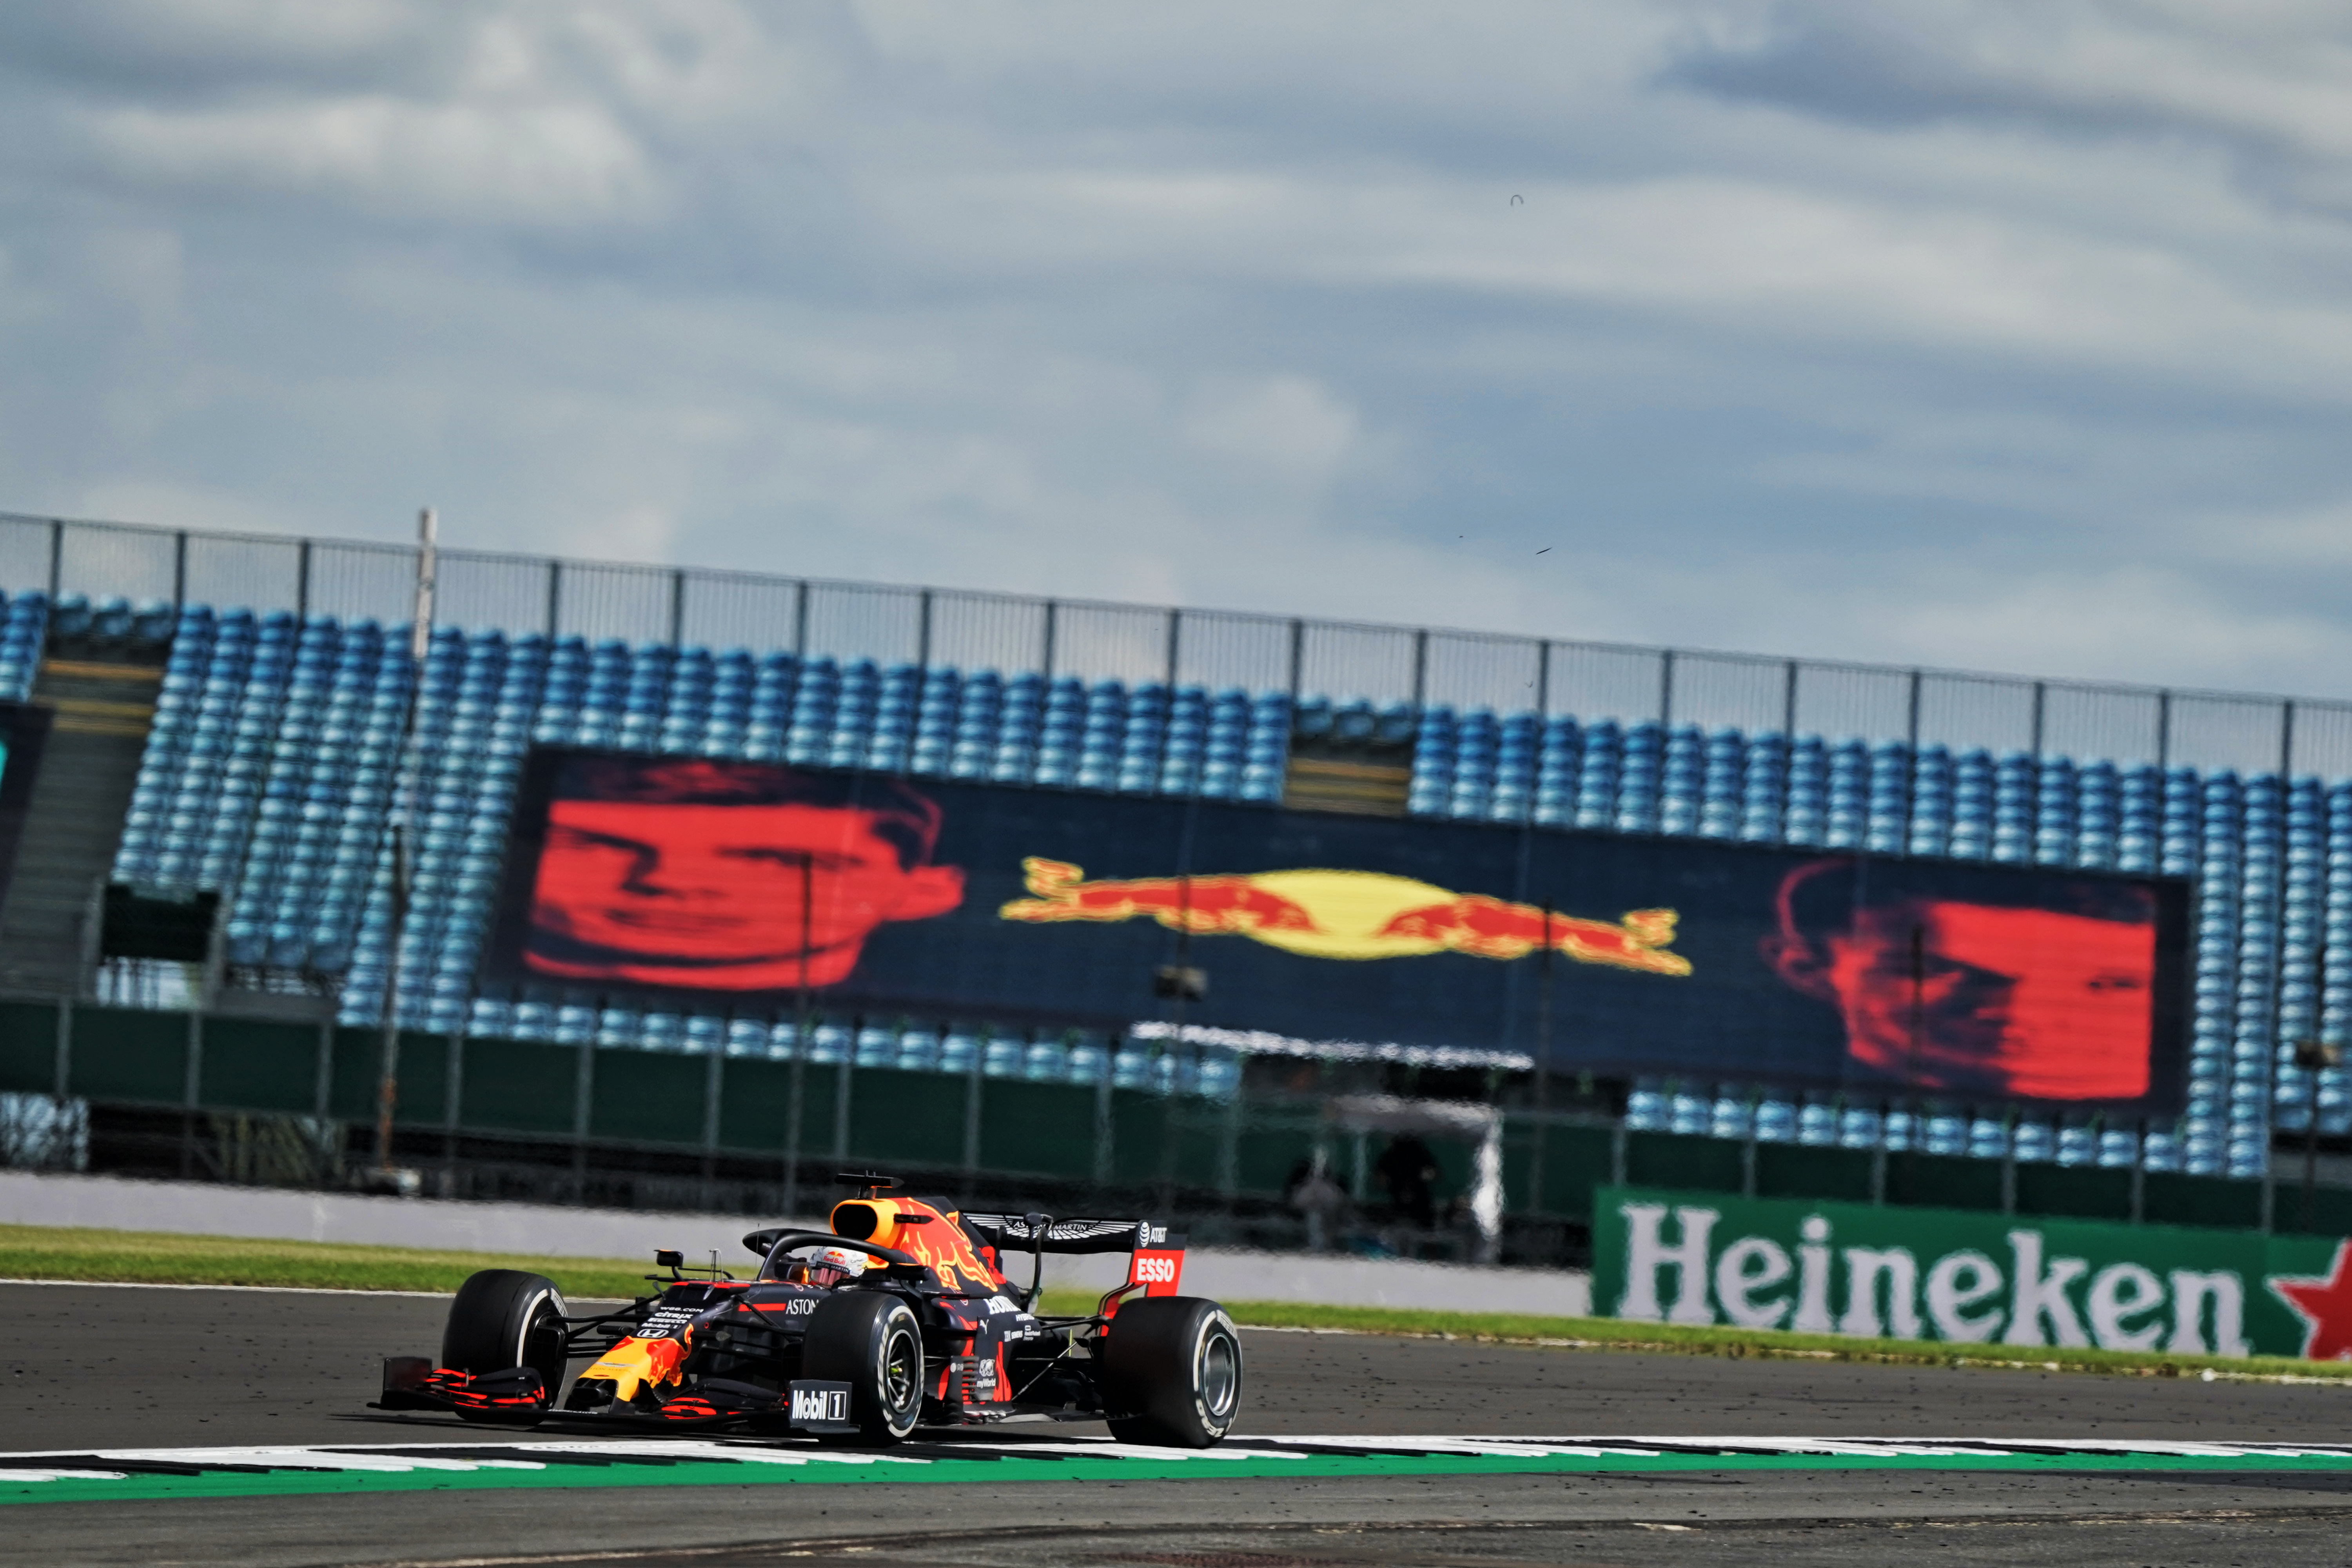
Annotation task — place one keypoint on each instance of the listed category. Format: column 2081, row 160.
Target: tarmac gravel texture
column 94, row 1368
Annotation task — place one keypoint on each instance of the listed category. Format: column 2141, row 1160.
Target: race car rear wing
column 1158, row 1261
column 1016, row 1232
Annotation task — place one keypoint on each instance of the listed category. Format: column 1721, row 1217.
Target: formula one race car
column 900, row 1318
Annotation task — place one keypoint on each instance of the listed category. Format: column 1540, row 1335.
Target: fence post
column 1046, row 653
column 923, row 633
column 1175, row 645
column 800, row 623
column 303, row 579
column 57, row 559
column 2163, row 730
column 1666, row 690
column 1298, row 657
column 677, row 607
column 1420, row 669
column 179, row 570
column 1788, row 702
column 1543, row 676
column 554, row 598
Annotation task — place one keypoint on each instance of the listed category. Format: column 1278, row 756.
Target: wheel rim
column 902, row 1371
column 1219, row 1374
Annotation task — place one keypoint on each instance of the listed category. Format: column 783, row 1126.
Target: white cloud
column 1957, row 334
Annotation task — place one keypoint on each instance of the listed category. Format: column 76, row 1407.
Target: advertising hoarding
column 1962, row 1276
column 734, row 885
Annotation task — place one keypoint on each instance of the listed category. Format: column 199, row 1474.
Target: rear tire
column 871, row 1341
column 1171, row 1371
column 503, row 1319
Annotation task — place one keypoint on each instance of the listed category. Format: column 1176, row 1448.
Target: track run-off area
column 231, row 1427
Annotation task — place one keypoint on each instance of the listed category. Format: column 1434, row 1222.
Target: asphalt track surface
column 110, row 1369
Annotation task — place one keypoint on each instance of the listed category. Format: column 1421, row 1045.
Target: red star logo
column 2326, row 1305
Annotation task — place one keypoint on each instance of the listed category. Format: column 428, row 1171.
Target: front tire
column 1171, row 1371
column 871, row 1341
column 503, row 1319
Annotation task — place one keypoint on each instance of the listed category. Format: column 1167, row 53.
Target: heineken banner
column 1968, row 1277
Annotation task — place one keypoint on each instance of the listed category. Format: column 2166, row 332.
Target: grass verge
column 44, row 1252
column 147, row 1258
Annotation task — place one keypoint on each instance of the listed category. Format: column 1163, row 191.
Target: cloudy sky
column 2004, row 336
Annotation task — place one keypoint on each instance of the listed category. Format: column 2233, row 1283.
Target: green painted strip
column 311, row 1483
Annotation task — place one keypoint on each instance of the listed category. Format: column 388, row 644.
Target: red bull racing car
column 901, row 1317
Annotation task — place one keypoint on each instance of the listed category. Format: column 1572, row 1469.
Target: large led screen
column 731, row 886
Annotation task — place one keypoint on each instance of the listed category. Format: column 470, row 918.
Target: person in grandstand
column 1974, row 983
column 727, row 876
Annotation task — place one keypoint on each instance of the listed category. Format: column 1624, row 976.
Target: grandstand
column 275, row 755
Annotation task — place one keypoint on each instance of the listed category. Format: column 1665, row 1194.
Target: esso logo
column 1155, row 1270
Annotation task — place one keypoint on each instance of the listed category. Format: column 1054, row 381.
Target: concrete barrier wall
column 198, row 1208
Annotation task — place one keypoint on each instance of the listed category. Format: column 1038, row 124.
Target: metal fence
column 1384, row 665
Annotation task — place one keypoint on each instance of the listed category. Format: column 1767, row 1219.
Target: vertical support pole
column 2163, row 730
column 1045, row 651
column 554, row 598
column 56, row 560
column 303, row 579
column 677, row 607
column 1106, row 1127
column 842, row 1075
column 1175, row 647
column 1420, row 669
column 1543, row 678
column 2008, row 1162
column 1878, row 1159
column 1298, row 658
column 1229, row 1147
column 714, row 1090
column 2140, row 1175
column 2278, row 950
column 923, row 632
column 1665, row 689
column 1748, row 1153
column 1789, row 700
column 179, row 570
column 800, row 623
column 2040, row 697
column 583, row 1109
column 974, row 1080
column 192, row 1087
column 796, row 1099
column 1911, row 760
column 406, row 783
column 453, row 1091
column 65, row 1047
column 322, row 1088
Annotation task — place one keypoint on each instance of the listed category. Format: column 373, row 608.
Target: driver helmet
column 830, row 1265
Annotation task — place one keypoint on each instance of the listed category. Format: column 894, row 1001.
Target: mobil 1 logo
column 819, row 1404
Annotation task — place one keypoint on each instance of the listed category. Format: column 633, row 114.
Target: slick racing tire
column 1171, row 1371
column 504, row 1319
column 871, row 1341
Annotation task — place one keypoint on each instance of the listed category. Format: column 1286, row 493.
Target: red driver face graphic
column 723, row 896
column 1984, row 999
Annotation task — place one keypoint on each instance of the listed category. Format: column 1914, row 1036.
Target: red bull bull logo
column 1348, row 915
